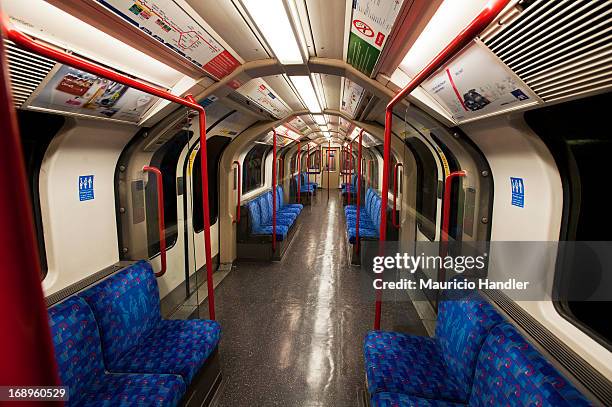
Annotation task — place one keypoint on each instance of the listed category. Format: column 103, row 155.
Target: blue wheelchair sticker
column 86, row 187
column 518, row 192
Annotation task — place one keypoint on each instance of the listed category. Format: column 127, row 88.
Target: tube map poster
column 166, row 22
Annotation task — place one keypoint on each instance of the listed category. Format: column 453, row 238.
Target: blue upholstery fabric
column 512, row 372
column 257, row 228
column 369, row 218
column 400, row 363
column 462, row 326
column 173, row 346
column 79, row 357
column 119, row 389
column 134, row 337
column 402, row 400
column 396, row 362
column 296, row 209
column 304, row 187
column 306, row 181
column 265, row 206
column 126, row 306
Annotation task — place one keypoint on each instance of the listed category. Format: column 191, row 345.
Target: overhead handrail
column 474, row 28
column 238, row 184
column 160, row 217
column 70, row 59
column 28, row 358
column 395, row 185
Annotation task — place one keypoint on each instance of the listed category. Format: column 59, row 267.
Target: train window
column 253, row 174
column 580, row 142
column 37, row 130
column 166, row 159
column 215, row 146
column 427, row 185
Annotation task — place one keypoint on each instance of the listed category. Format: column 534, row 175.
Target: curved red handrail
column 160, row 217
column 474, row 28
column 70, row 59
column 448, row 183
column 238, row 185
column 393, row 219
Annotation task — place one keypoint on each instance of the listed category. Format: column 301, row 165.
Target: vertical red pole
column 160, row 217
column 274, row 190
column 207, row 243
column 308, row 166
column 25, row 342
column 358, row 189
column 328, row 166
column 238, row 186
column 448, row 184
column 299, row 168
column 349, row 163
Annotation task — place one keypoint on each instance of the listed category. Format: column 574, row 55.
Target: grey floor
column 293, row 330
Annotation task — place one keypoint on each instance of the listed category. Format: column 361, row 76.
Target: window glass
column 253, row 171
column 427, row 185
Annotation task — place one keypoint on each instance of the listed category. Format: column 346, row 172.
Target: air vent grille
column 26, row 70
column 559, row 48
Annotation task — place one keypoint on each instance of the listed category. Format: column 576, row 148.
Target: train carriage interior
column 371, row 203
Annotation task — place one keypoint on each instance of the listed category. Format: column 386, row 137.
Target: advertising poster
column 467, row 91
column 168, row 23
column 259, row 92
column 371, row 24
column 73, row 91
column 351, row 95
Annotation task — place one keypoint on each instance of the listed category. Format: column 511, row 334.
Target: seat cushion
column 400, row 363
column 174, row 346
column 297, row 206
column 133, row 390
column 126, row 307
column 510, row 371
column 463, row 323
column 281, row 231
column 386, row 399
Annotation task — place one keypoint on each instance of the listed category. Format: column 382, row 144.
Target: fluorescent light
column 319, row 119
column 273, row 22
column 327, row 134
column 307, row 93
column 318, row 82
column 447, row 22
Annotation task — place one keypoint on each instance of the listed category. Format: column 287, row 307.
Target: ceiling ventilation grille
column 26, row 70
column 560, row 48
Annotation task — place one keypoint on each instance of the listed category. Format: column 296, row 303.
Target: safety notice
column 86, row 187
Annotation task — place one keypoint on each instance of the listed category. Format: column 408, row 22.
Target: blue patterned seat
column 286, row 218
column 81, row 366
column 284, row 208
column 257, row 228
column 512, row 372
column 441, row 367
column 309, row 183
column 135, row 338
column 369, row 218
column 386, row 399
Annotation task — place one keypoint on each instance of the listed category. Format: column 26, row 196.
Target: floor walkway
column 293, row 330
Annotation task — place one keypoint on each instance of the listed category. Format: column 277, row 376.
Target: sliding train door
column 331, row 168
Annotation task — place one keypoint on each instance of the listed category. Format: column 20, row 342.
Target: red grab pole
column 273, row 190
column 26, row 348
column 328, row 167
column 99, row 70
column 395, row 185
column 358, row 189
column 448, row 184
column 349, row 165
column 238, row 182
column 307, row 166
column 299, row 168
column 160, row 217
column 474, row 28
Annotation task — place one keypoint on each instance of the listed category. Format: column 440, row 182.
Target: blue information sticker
column 86, row 187
column 518, row 192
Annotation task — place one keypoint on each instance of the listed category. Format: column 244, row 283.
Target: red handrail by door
column 160, row 217
column 474, row 28
column 448, row 184
column 238, row 185
column 26, row 348
column 70, row 59
column 395, row 185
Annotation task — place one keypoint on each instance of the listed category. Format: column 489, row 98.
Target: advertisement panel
column 259, row 92
column 73, row 91
column 166, row 22
column 467, row 91
column 351, row 95
column 371, row 24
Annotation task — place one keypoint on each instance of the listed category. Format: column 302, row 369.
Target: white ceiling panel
column 280, row 86
column 327, row 24
column 331, row 86
column 223, row 17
